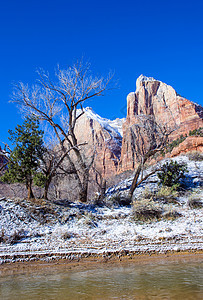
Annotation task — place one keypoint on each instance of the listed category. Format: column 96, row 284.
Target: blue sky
column 162, row 39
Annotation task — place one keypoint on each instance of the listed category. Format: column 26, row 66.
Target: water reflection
column 152, row 281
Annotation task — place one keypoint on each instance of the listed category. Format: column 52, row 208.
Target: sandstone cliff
column 153, row 97
column 114, row 143
column 104, row 140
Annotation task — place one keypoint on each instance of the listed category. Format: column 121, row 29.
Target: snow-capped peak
column 113, row 126
column 145, row 78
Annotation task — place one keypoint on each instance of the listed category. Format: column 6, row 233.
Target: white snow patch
column 113, row 126
column 145, row 78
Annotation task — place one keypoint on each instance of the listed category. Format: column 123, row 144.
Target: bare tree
column 150, row 137
column 57, row 102
column 100, row 182
column 52, row 166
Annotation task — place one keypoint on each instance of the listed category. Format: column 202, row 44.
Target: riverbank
column 53, row 230
column 83, row 262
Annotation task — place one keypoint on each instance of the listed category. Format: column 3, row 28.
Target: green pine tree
column 26, row 156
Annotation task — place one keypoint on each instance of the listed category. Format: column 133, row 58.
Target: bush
column 167, row 194
column 148, row 194
column 146, row 210
column 196, row 132
column 195, row 203
column 3, row 238
column 172, row 215
column 171, row 173
column 175, row 143
column 167, row 191
column 16, row 236
column 97, row 201
column 119, row 200
column 67, row 235
column 195, row 156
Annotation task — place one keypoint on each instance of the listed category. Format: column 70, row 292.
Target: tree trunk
column 140, row 167
column 30, row 194
column 83, row 194
column 45, row 195
column 46, row 187
column 83, row 179
column 135, row 179
column 84, row 187
column 103, row 189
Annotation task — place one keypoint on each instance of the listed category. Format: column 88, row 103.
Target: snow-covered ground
column 79, row 228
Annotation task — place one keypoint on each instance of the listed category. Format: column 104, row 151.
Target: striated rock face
column 104, row 140
column 114, row 143
column 153, row 97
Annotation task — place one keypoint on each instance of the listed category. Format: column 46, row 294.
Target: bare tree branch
column 57, row 103
column 150, row 137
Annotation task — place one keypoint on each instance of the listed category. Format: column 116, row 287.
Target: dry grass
column 171, row 215
column 67, row 235
column 152, row 206
column 119, row 200
column 16, row 237
column 167, row 194
column 97, row 202
column 3, row 238
column 195, row 156
column 147, row 210
column 13, row 238
column 148, row 194
column 195, row 203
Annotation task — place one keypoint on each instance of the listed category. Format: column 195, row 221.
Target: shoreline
column 78, row 261
column 75, row 233
column 86, row 249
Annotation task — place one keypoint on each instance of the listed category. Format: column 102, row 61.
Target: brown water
column 161, row 280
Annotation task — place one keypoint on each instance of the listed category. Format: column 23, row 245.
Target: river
column 154, row 280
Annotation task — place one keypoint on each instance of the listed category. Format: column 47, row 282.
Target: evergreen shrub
column 172, row 173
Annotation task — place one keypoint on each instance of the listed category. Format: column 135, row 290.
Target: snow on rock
column 103, row 137
column 113, row 126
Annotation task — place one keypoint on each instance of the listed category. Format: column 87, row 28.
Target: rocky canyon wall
column 103, row 139
column 157, row 99
column 114, row 142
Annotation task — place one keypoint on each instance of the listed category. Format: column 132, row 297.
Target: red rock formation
column 153, row 97
column 191, row 143
column 104, row 139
